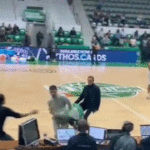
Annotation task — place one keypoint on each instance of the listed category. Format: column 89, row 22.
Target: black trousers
column 6, row 137
column 94, row 52
column 88, row 111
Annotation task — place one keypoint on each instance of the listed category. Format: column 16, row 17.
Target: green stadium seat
column 74, row 41
column 68, row 40
column 56, row 39
column 22, row 37
column 62, row 40
column 80, row 41
column 17, row 38
column 66, row 34
column 78, row 34
column 10, row 36
column 22, row 31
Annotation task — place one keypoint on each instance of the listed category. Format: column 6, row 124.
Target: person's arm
column 51, row 110
column 11, row 113
column 81, row 96
column 67, row 102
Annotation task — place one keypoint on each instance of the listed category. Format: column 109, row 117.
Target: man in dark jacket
column 39, row 38
column 82, row 141
column 27, row 40
column 91, row 97
column 7, row 112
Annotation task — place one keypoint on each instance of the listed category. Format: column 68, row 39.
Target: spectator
column 73, row 32
column 3, row 28
column 96, row 18
column 123, row 36
column 9, row 29
column 124, row 141
column 101, row 17
column 99, row 6
column 140, row 20
column 82, row 141
column 136, row 34
column 27, row 40
column 117, row 38
column 106, row 19
column 106, row 40
column 16, row 29
column 39, row 38
column 122, row 19
column 60, row 32
column 133, row 41
column 94, row 49
column 100, row 34
column 7, row 112
column 109, row 34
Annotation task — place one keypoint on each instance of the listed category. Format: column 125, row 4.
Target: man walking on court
column 57, row 106
column 91, row 97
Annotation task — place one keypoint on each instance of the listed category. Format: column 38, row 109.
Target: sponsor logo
column 107, row 90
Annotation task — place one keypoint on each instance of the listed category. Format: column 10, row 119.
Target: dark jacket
column 27, row 40
column 146, row 143
column 123, row 142
column 82, row 141
column 91, row 97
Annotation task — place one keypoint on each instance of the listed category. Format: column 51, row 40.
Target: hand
column 33, row 112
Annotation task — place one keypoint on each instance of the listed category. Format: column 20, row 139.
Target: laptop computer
column 145, row 131
column 98, row 133
column 63, row 135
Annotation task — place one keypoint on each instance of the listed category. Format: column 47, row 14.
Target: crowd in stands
column 106, row 19
column 120, row 38
column 9, row 30
column 71, row 37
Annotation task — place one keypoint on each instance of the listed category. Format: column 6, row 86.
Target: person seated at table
column 60, row 32
column 82, row 141
column 7, row 112
column 16, row 29
column 124, row 141
column 73, row 32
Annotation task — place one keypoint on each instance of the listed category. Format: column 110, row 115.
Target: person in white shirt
column 100, row 33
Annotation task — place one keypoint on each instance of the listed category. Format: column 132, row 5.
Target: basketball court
column 123, row 93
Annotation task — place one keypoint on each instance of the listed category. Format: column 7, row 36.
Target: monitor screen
column 30, row 131
column 65, row 134
column 145, row 130
column 97, row 133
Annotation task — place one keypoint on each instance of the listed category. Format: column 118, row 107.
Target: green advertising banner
column 33, row 15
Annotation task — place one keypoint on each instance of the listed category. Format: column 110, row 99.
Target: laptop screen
column 97, row 133
column 65, row 134
column 145, row 130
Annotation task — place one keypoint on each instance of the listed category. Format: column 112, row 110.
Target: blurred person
column 101, row 16
column 96, row 18
column 106, row 19
column 6, row 112
column 123, row 36
column 57, row 105
column 117, row 38
column 100, row 33
column 39, row 38
column 109, row 34
column 106, row 40
column 136, row 34
column 124, row 141
column 82, row 141
column 133, row 41
column 27, row 40
column 9, row 29
column 16, row 29
column 95, row 48
column 90, row 98
column 73, row 32
column 122, row 19
column 60, row 32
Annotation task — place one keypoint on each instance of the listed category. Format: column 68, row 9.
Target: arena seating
column 131, row 9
